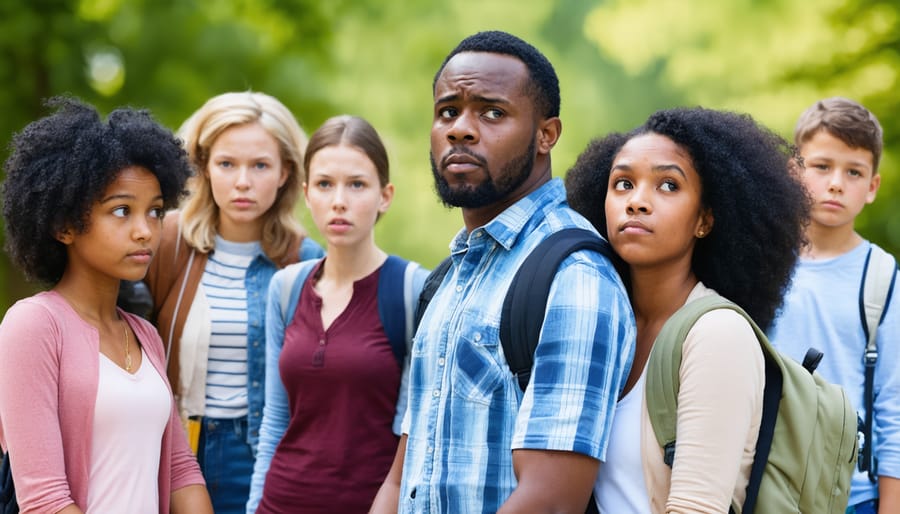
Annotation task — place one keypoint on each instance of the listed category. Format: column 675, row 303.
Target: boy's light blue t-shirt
column 821, row 310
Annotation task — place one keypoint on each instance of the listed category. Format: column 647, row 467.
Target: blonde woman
column 209, row 281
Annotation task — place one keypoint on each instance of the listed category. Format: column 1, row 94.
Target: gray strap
column 876, row 288
column 287, row 277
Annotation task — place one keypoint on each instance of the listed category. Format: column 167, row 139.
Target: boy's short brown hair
column 844, row 119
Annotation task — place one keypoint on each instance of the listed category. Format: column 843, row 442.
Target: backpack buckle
column 669, row 454
column 871, row 356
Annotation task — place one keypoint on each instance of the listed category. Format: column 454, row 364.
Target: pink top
column 130, row 416
column 48, row 386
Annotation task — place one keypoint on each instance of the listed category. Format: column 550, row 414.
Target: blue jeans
column 866, row 507
column 227, row 463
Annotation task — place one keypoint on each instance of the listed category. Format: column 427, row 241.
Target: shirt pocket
column 478, row 372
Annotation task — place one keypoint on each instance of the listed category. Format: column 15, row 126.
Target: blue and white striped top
column 226, row 293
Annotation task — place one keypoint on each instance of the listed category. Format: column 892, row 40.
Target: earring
column 64, row 236
column 701, row 233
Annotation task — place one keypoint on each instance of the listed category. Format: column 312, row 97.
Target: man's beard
column 513, row 175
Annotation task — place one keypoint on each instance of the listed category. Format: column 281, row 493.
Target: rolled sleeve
column 581, row 362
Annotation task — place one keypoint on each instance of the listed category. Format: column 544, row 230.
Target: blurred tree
column 617, row 62
column 165, row 55
column 771, row 59
column 367, row 57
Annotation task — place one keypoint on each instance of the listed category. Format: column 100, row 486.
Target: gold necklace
column 127, row 350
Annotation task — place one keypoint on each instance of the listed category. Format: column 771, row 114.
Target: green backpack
column 807, row 445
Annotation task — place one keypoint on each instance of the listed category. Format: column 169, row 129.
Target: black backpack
column 526, row 299
column 8, row 504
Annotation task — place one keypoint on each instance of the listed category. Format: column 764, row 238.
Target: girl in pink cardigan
column 86, row 413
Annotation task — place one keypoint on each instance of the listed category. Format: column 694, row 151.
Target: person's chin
column 134, row 273
column 248, row 215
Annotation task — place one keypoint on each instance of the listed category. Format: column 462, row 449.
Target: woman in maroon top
column 333, row 397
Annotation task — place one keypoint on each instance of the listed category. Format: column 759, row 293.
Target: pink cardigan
column 49, row 372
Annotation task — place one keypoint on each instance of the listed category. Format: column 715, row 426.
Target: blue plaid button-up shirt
column 466, row 412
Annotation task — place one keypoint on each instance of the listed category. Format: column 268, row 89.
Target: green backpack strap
column 663, row 367
column 663, row 383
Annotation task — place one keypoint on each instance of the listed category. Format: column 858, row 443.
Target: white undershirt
column 620, row 487
column 130, row 416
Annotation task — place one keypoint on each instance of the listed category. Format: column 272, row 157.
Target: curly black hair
column 544, row 86
column 759, row 206
column 61, row 164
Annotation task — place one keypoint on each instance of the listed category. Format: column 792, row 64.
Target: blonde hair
column 200, row 214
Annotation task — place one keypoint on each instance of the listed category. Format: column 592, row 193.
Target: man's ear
column 548, row 133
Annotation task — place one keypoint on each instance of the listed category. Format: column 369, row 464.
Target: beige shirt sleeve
column 719, row 411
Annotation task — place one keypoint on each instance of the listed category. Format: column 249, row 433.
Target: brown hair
column 844, row 119
column 353, row 131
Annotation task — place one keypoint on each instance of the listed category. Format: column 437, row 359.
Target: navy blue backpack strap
column 526, row 299
column 397, row 297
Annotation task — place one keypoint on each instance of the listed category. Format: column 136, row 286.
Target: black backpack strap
column 432, row 283
column 592, row 506
column 865, row 461
column 526, row 300
column 771, row 399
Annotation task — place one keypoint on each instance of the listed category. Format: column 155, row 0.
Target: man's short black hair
column 544, row 84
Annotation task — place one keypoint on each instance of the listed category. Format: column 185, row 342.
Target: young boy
column 840, row 142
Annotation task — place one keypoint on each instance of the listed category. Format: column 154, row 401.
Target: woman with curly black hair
column 695, row 202
column 86, row 412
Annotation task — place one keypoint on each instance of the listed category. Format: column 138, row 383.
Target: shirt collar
column 506, row 227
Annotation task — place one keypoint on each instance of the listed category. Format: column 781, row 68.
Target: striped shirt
column 226, row 293
column 466, row 412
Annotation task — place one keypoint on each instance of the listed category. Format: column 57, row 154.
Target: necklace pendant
column 128, row 363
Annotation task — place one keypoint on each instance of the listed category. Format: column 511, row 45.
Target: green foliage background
column 618, row 61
